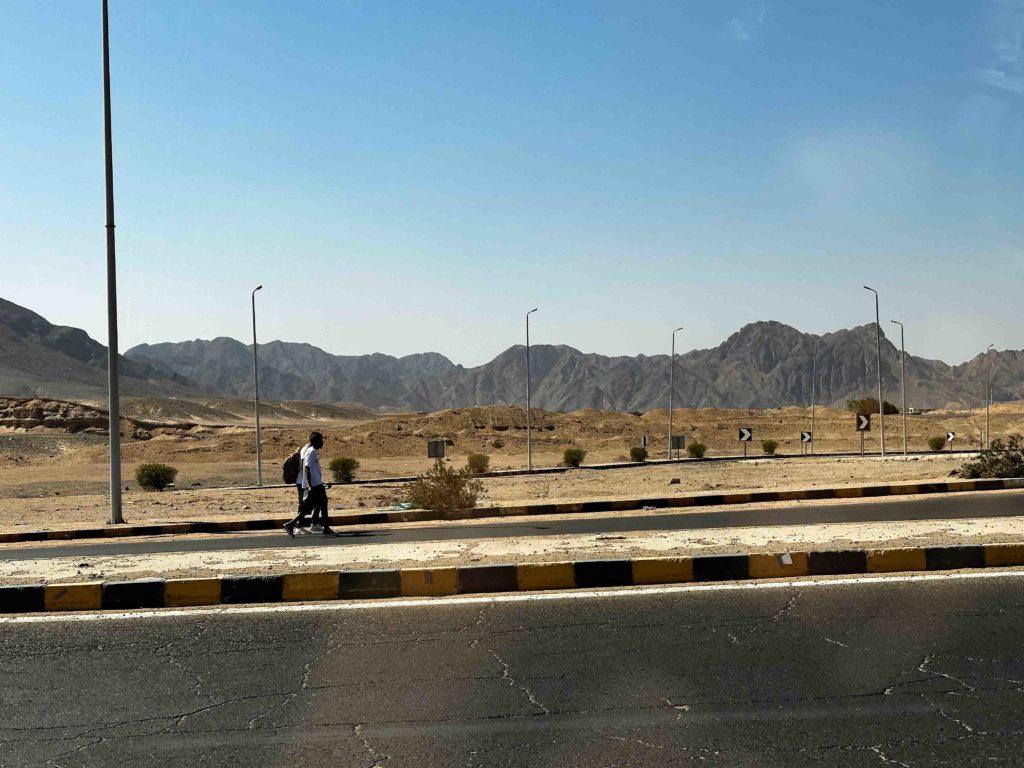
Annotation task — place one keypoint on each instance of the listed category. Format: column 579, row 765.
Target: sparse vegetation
column 870, row 405
column 155, row 477
column 1001, row 459
column 638, row 454
column 937, row 443
column 443, row 488
column 696, row 450
column 573, row 457
column 478, row 463
column 343, row 469
column 769, row 447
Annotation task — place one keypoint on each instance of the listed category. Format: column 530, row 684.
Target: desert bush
column 478, row 463
column 573, row 457
column 937, row 443
column 870, row 405
column 769, row 447
column 638, row 454
column 343, row 469
column 444, row 487
column 696, row 450
column 155, row 477
column 1001, row 459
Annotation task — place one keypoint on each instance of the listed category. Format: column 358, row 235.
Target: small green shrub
column 696, row 450
column 443, row 488
column 155, row 477
column 343, row 469
column 769, row 447
column 638, row 454
column 478, row 463
column 573, row 457
column 1001, row 459
column 937, row 443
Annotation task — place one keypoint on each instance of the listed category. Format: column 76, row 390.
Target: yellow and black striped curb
column 482, row 579
column 568, row 508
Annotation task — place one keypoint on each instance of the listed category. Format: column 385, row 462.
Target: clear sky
column 413, row 176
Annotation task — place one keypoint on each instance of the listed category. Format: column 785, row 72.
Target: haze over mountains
column 765, row 364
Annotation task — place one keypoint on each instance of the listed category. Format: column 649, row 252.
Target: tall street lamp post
column 814, row 384
column 113, row 385
column 878, row 352
column 903, row 384
column 988, row 394
column 529, row 434
column 671, row 387
column 256, row 388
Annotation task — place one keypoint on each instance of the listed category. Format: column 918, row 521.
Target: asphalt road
column 924, row 673
column 953, row 506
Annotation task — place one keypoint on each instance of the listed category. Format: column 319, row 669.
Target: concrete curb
column 483, row 579
column 479, row 513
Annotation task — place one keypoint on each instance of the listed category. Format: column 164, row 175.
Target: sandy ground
column 516, row 550
column 56, row 509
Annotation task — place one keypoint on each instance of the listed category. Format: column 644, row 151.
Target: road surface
column 860, row 672
column 953, row 506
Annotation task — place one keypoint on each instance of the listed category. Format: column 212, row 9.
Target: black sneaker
column 290, row 530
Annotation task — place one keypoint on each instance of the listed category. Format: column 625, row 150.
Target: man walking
column 315, row 499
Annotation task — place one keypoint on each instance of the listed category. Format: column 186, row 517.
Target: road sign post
column 435, row 449
column 746, row 435
column 863, row 425
column 950, row 437
column 806, row 439
column 678, row 444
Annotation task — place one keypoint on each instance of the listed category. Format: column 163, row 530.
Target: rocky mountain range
column 763, row 365
column 38, row 358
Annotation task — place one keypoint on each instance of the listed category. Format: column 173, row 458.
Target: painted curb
column 485, row 579
column 569, row 508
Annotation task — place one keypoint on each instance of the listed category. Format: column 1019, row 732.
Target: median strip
column 566, row 508
column 483, row 579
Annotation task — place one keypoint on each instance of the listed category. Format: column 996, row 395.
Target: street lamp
column 671, row 387
column 256, row 387
column 878, row 351
column 988, row 394
column 903, row 383
column 529, row 437
column 113, row 385
column 814, row 383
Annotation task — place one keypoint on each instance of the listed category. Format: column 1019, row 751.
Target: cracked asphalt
column 905, row 673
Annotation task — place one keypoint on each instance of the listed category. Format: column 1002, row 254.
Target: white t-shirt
column 310, row 458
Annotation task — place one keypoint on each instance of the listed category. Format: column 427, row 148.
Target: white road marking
column 515, row 597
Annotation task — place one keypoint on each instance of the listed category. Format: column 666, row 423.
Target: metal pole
column 878, row 351
column 529, row 436
column 903, row 384
column 113, row 384
column 988, row 394
column 671, row 387
column 814, row 380
column 256, row 386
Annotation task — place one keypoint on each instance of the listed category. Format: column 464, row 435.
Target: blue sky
column 404, row 177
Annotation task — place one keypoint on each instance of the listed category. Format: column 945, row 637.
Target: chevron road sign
column 863, row 422
column 806, row 437
column 746, row 434
column 950, row 437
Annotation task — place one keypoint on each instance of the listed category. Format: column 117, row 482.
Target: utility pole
column 878, row 351
column 988, row 394
column 256, row 386
column 529, row 435
column 671, row 388
column 814, row 382
column 113, row 384
column 903, row 383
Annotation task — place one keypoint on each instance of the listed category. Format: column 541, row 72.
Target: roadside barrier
column 484, row 579
column 568, row 508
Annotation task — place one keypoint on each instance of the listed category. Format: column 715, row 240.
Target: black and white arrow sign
column 950, row 436
column 805, row 437
column 746, row 434
column 863, row 422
